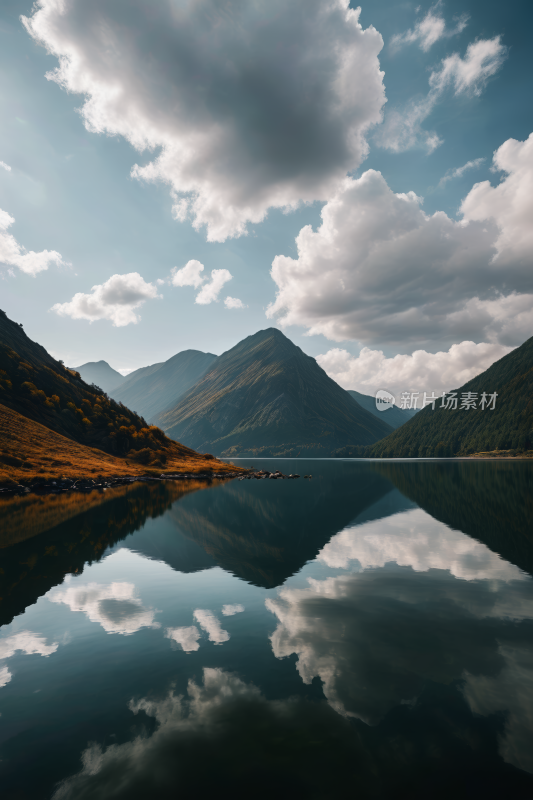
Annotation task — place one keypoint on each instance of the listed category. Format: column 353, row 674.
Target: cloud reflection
column 115, row 606
column 186, row 637
column 377, row 638
column 207, row 620
column 229, row 610
column 415, row 539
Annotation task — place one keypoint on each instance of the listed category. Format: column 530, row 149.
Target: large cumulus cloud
column 379, row 269
column 251, row 105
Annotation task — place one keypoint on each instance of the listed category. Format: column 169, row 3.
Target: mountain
column 266, row 397
column 101, row 374
column 150, row 390
column 36, row 388
column 449, row 432
column 393, row 416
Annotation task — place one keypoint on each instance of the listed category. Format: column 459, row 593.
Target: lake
column 367, row 631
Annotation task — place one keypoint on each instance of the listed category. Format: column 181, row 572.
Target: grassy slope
column 267, row 392
column 445, row 432
column 28, row 450
column 153, row 391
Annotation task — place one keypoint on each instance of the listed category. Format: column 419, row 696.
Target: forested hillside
column 448, row 431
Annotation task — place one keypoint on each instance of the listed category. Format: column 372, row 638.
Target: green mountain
column 151, row 390
column 101, row 374
column 266, row 397
column 393, row 416
column 448, row 432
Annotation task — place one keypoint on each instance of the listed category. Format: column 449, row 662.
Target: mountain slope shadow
column 265, row 531
column 490, row 501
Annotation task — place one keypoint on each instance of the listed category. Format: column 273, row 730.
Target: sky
column 181, row 174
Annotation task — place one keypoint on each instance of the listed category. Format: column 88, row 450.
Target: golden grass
column 29, row 450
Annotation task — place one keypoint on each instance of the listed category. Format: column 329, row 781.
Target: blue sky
column 250, row 86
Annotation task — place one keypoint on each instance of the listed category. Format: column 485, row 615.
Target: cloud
column 469, row 75
column 510, row 204
column 115, row 607
column 233, row 302
column 117, row 300
column 229, row 610
column 380, row 270
column 460, row 171
column 5, row 166
column 420, row 372
column 428, row 31
column 189, row 275
column 26, row 642
column 186, row 637
column 210, row 624
column 13, row 254
column 414, row 539
column 250, row 105
column 210, row 291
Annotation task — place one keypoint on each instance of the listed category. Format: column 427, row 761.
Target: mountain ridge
column 266, row 391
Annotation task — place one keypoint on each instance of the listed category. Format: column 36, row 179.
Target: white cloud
column 13, row 254
column 115, row 606
column 5, row 166
column 510, row 204
column 5, row 676
column 189, row 275
column 210, row 291
column 233, row 302
column 117, row 300
column 458, row 172
column 187, row 637
column 428, row 31
column 251, row 106
column 378, row 269
column 210, row 624
column 26, row 642
column 229, row 610
column 420, row 372
column 469, row 75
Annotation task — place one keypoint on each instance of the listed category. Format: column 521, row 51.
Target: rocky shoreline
column 60, row 486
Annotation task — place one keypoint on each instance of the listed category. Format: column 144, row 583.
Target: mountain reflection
column 491, row 501
column 265, row 531
column 45, row 538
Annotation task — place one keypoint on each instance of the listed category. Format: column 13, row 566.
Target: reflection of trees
column 265, row 531
column 80, row 529
column 226, row 733
column 493, row 502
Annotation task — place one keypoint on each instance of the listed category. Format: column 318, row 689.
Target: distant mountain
column 265, row 396
column 100, row 373
column 150, row 390
column 393, row 416
column 449, row 432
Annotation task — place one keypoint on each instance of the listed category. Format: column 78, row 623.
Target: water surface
column 369, row 631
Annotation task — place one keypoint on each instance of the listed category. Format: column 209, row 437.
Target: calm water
column 369, row 632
